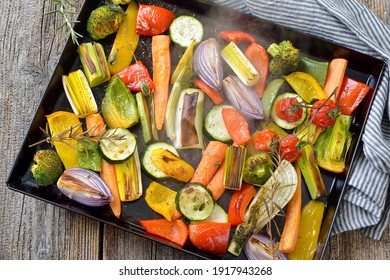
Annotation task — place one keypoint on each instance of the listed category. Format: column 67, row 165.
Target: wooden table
column 31, row 229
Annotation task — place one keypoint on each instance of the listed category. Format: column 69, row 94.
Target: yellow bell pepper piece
column 309, row 230
column 126, row 41
column 306, row 86
column 161, row 199
column 59, row 122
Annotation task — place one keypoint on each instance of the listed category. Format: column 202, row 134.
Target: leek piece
column 234, row 167
column 241, row 66
column 145, row 118
column 128, row 175
column 311, row 172
column 94, row 63
column 269, row 200
column 333, row 144
column 174, row 96
column 79, row 94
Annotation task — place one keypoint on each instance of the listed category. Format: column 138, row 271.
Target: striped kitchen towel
column 366, row 200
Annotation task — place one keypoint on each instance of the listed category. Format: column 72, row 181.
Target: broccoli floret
column 47, row 168
column 258, row 168
column 285, row 58
column 105, row 20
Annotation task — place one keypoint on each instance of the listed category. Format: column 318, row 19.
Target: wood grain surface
column 30, row 47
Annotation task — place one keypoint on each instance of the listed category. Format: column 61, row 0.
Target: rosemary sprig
column 64, row 9
column 73, row 133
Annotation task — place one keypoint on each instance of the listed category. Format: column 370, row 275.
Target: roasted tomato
column 266, row 140
column 323, row 113
column 289, row 109
column 289, row 147
column 153, row 20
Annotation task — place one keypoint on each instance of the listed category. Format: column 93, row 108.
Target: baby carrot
column 212, row 158
column 161, row 59
column 335, row 76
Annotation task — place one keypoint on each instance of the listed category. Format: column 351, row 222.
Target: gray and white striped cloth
column 366, row 201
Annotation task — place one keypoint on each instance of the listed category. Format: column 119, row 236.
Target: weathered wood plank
column 30, row 48
column 31, row 229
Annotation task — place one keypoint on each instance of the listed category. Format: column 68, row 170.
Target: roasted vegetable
column 162, row 200
column 172, row 165
column 285, row 58
column 128, row 175
column 258, row 168
column 84, row 186
column 118, row 106
column 240, row 64
column 79, row 94
column 333, row 144
column 47, row 167
column 189, row 120
column 105, row 20
column 153, row 20
column 311, row 173
column 317, row 69
column 306, row 86
column 309, row 230
column 126, row 41
column 88, row 155
column 234, row 167
column 210, row 236
column 64, row 123
column 273, row 196
column 94, row 63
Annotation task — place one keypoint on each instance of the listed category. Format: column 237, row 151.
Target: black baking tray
column 361, row 67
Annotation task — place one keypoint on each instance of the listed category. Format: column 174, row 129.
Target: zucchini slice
column 117, row 144
column 148, row 166
column 184, row 29
column 195, row 202
column 215, row 126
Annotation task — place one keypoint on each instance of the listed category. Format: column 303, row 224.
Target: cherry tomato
column 289, row 148
column 210, row 236
column 289, row 109
column 265, row 140
column 153, row 20
column 324, row 113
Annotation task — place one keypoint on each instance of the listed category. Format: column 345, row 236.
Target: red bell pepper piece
column 239, row 202
column 153, row 20
column 210, row 236
column 175, row 231
column 215, row 96
column 134, row 74
column 236, row 126
column 237, row 36
column 258, row 56
column 351, row 94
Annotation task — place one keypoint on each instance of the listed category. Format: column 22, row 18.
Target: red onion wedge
column 260, row 247
column 85, row 187
column 208, row 63
column 243, row 98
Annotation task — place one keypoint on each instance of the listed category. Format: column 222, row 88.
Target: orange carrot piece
column 215, row 96
column 95, row 124
column 289, row 235
column 212, row 158
column 258, row 56
column 175, row 231
column 216, row 184
column 161, row 59
column 236, row 126
column 108, row 175
column 335, row 76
